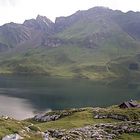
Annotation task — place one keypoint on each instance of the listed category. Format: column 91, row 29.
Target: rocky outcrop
column 46, row 117
column 40, row 23
column 52, row 42
column 111, row 116
column 86, row 133
column 55, row 115
column 99, row 131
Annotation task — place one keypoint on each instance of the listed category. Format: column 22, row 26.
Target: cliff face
column 13, row 34
column 40, row 23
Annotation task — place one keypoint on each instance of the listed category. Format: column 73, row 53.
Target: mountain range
column 98, row 44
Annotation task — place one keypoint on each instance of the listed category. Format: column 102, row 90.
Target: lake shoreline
column 29, row 94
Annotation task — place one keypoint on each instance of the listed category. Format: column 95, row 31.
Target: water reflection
column 21, row 96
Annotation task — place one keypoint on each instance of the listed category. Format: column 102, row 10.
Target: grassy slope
column 63, row 61
column 79, row 119
column 8, row 126
column 69, row 61
column 76, row 120
column 133, row 136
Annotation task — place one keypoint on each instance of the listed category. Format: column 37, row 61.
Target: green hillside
column 68, row 61
column 98, row 44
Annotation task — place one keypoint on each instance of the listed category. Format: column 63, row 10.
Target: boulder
column 12, row 137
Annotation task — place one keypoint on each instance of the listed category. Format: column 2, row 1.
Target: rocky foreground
column 75, row 124
column 98, row 132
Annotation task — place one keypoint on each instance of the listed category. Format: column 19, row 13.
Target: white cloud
column 8, row 2
column 19, row 10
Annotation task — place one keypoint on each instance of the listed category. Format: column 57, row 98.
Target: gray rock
column 46, row 136
column 98, row 132
column 46, row 118
column 112, row 116
column 12, row 137
column 52, row 116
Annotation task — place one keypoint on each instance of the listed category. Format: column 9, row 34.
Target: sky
column 19, row 10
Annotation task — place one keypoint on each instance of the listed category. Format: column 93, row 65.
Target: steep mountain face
column 12, row 34
column 40, row 23
column 62, row 23
column 130, row 23
column 95, row 43
column 99, row 26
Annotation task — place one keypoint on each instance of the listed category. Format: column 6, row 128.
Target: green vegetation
column 78, row 119
column 81, row 119
column 66, row 61
column 63, row 61
column 133, row 136
column 75, row 120
column 132, row 113
column 9, row 126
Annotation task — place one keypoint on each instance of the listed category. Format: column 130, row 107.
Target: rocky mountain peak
column 100, row 8
column 41, row 23
column 43, row 19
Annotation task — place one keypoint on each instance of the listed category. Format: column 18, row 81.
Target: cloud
column 8, row 2
column 19, row 10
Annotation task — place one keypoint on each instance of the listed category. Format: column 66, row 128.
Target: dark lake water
column 24, row 96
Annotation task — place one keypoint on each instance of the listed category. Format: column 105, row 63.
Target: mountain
column 13, row 35
column 98, row 43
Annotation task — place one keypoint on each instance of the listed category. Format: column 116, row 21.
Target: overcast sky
column 19, row 10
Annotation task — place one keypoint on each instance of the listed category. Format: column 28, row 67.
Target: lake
column 24, row 96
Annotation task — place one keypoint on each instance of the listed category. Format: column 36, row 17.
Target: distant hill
column 98, row 43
